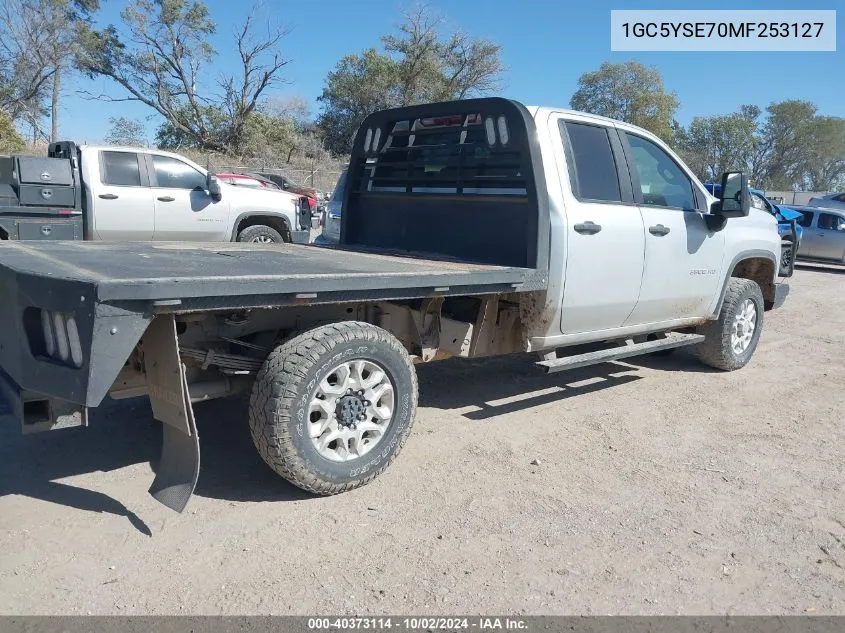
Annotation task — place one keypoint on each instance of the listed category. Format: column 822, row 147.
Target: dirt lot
column 662, row 487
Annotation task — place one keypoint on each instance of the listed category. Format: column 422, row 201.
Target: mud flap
column 179, row 465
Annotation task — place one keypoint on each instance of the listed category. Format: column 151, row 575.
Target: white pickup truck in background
column 143, row 194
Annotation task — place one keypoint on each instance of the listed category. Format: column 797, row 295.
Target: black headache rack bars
column 460, row 179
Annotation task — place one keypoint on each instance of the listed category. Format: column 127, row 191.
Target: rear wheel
column 261, row 234
column 731, row 340
column 332, row 407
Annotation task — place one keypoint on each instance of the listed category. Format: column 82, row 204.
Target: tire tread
column 715, row 351
column 275, row 391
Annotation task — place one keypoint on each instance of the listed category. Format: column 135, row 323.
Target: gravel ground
column 655, row 486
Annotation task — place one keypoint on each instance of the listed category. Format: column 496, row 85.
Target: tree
column 791, row 148
column 418, row 64
column 784, row 143
column 359, row 85
column 824, row 167
column 277, row 130
column 37, row 40
column 716, row 144
column 10, row 140
column 629, row 92
column 123, row 131
column 162, row 63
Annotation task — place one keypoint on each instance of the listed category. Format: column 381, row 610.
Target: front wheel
column 261, row 234
column 332, row 407
column 731, row 340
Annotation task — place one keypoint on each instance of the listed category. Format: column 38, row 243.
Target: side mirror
column 285, row 186
column 734, row 199
column 213, row 186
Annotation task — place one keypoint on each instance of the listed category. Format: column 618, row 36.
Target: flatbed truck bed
column 221, row 275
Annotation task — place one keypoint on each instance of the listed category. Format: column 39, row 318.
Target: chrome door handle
column 659, row 230
column 587, row 228
column 107, row 196
column 166, row 198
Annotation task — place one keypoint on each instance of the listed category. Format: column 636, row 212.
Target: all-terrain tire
column 716, row 350
column 260, row 233
column 287, row 382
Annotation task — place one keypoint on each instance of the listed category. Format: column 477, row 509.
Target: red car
column 242, row 180
column 245, row 180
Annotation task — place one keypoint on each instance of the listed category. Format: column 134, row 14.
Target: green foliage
column 418, row 64
column 36, row 42
column 790, row 148
column 824, row 160
column 629, row 92
column 10, row 140
column 171, row 135
column 716, row 144
column 358, row 86
column 123, row 131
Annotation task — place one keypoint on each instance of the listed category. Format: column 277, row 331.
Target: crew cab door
column 604, row 241
column 683, row 258
column 121, row 203
column 184, row 210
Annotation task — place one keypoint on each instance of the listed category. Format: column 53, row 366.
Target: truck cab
column 147, row 194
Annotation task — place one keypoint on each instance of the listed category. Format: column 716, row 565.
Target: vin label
column 718, row 30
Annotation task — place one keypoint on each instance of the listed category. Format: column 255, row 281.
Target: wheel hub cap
column 350, row 411
column 351, row 408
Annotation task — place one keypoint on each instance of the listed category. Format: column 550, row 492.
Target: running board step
column 672, row 340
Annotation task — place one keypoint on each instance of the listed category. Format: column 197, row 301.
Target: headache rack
column 460, row 179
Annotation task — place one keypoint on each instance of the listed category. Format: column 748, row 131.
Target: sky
column 546, row 46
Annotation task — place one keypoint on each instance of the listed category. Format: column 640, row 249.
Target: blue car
column 788, row 228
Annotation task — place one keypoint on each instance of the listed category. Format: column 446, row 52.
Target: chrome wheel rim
column 745, row 322
column 351, row 410
column 262, row 239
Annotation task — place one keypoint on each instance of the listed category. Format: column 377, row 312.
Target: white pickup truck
column 469, row 229
column 138, row 194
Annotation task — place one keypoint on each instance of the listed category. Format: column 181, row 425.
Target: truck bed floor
column 161, row 271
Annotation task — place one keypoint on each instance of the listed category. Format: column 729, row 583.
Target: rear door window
column 593, row 175
column 121, row 169
column 830, row 222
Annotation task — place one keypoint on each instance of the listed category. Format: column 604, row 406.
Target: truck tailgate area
column 73, row 311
